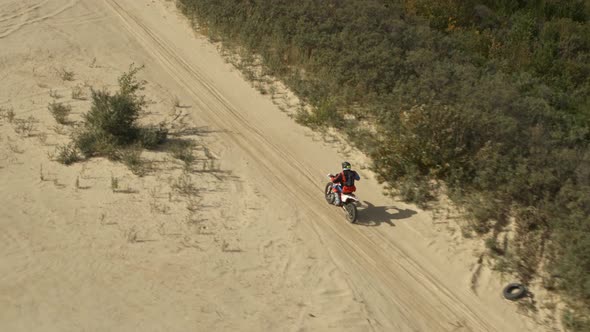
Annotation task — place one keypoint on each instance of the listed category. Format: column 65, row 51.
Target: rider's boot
column 336, row 198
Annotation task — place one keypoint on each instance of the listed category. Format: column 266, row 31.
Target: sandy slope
column 257, row 249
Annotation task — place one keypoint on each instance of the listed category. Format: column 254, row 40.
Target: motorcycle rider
column 344, row 182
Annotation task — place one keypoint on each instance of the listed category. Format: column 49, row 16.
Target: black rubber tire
column 350, row 212
column 328, row 193
column 514, row 291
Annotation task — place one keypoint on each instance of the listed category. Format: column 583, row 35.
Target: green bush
column 67, row 154
column 326, row 114
column 95, row 143
column 131, row 157
column 60, row 112
column 153, row 136
column 111, row 124
column 183, row 151
column 114, row 115
column 110, row 129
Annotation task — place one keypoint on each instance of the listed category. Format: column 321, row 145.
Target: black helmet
column 346, row 165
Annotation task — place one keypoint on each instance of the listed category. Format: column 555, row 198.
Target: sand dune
column 257, row 249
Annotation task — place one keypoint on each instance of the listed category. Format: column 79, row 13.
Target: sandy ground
column 251, row 246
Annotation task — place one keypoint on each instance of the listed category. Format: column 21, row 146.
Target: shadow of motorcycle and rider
column 371, row 215
column 340, row 192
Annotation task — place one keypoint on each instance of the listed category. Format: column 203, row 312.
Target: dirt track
column 297, row 265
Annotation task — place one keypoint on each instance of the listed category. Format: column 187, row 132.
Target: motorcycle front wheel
column 328, row 193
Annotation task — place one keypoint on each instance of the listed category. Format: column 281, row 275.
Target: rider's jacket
column 346, row 178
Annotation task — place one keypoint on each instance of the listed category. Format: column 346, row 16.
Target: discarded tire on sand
column 514, row 291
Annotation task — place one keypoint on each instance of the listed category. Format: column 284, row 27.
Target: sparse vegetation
column 7, row 113
column 57, row 184
column 158, row 207
column 176, row 102
column 151, row 137
column 209, row 166
column 42, row 137
column 59, row 129
column 60, row 112
column 184, row 185
column 78, row 93
column 132, row 235
column 193, row 204
column 492, row 244
column 183, row 151
column 66, row 75
column 14, row 148
column 66, row 154
column 155, row 205
column 114, row 183
column 54, row 94
column 132, row 159
column 490, row 97
column 24, row 127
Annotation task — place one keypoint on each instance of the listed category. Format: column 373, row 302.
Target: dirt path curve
column 402, row 289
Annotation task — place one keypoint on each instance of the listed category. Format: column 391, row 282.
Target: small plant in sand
column 58, row 185
column 42, row 137
column 24, row 127
column 132, row 234
column 7, row 114
column 14, row 148
column 60, row 112
column 78, row 93
column 176, row 102
column 272, row 90
column 183, row 151
column 193, row 204
column 66, row 75
column 132, row 159
column 184, row 185
column 59, row 129
column 155, row 205
column 54, row 94
column 158, row 207
column 114, row 183
column 209, row 166
column 261, row 88
column 66, row 154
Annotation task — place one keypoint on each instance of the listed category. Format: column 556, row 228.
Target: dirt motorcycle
column 348, row 202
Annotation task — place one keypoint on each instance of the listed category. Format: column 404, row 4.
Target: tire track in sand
column 22, row 11
column 10, row 29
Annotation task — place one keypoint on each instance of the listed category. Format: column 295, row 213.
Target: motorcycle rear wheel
column 350, row 212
